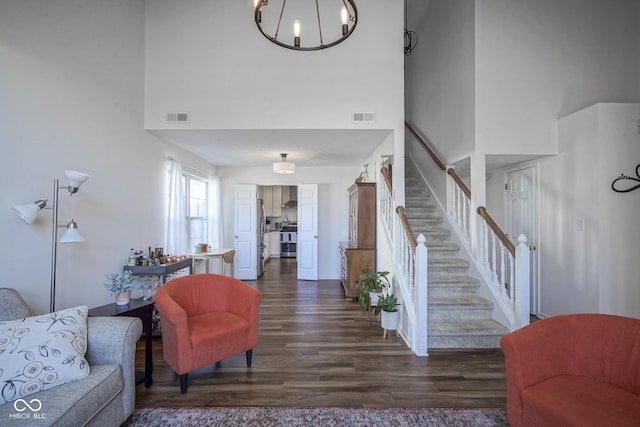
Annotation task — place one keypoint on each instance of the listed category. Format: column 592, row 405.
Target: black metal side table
column 143, row 310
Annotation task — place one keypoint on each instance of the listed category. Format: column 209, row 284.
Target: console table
column 144, row 311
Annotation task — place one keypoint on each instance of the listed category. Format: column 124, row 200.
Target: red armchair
column 574, row 370
column 206, row 318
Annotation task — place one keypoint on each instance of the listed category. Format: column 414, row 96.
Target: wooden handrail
column 503, row 237
column 422, row 142
column 407, row 227
column 385, row 173
column 458, row 181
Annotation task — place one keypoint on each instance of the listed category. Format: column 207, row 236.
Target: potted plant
column 120, row 286
column 388, row 305
column 372, row 284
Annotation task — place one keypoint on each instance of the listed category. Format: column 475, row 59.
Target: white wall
column 209, row 59
column 540, row 60
column 72, row 97
column 440, row 78
column 594, row 270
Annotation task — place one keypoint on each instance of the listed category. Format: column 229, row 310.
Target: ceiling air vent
column 364, row 117
column 177, row 117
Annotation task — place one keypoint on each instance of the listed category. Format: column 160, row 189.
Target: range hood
column 290, row 197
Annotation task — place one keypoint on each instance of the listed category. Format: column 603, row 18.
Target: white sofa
column 104, row 398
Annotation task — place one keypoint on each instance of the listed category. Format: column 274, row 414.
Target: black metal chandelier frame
column 347, row 30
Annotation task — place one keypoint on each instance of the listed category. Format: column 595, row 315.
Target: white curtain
column 177, row 238
column 216, row 238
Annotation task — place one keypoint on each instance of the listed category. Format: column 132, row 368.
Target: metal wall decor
column 306, row 25
column 622, row 185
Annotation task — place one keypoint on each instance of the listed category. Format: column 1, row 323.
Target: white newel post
column 421, row 297
column 522, row 304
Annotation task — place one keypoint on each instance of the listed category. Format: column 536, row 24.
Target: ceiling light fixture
column 284, row 167
column 340, row 18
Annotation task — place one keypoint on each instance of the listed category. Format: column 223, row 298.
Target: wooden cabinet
column 359, row 252
column 362, row 215
column 353, row 261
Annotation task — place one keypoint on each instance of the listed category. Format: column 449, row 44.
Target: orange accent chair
column 206, row 318
column 574, row 370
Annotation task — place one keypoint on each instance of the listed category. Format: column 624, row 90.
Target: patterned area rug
column 290, row 417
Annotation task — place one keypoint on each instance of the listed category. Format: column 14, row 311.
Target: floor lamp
column 29, row 212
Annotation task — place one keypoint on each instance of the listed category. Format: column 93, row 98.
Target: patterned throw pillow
column 41, row 352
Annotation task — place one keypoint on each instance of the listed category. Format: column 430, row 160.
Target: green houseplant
column 120, row 286
column 370, row 283
column 388, row 305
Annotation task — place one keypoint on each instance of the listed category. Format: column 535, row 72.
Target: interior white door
column 522, row 219
column 307, row 247
column 246, row 231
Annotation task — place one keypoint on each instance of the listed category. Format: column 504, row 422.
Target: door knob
column 315, row 237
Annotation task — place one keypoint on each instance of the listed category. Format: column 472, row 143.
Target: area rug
column 293, row 417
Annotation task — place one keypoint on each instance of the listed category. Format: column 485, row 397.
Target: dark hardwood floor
column 317, row 349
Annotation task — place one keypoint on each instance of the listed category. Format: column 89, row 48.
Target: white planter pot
column 390, row 320
column 374, row 297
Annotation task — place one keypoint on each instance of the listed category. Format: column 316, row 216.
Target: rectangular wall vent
column 364, row 117
column 177, row 117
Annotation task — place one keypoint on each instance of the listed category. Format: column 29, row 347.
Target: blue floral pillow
column 41, row 352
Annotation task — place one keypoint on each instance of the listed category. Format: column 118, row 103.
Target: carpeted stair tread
column 462, row 302
column 450, row 327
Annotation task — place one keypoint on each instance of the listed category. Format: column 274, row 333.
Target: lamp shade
column 29, row 212
column 284, row 167
column 71, row 235
column 75, row 179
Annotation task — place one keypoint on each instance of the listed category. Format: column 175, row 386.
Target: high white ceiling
column 311, row 147
column 305, row 147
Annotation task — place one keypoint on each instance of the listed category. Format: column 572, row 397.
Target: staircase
column 458, row 317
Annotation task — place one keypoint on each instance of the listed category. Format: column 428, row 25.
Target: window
column 196, row 193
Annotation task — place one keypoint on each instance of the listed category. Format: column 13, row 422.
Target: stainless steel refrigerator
column 261, row 229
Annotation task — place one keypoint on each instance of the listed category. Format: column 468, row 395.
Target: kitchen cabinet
column 360, row 251
column 267, row 245
column 272, row 200
column 271, row 245
column 275, row 244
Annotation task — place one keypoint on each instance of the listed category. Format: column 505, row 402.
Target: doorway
column 522, row 218
column 292, row 226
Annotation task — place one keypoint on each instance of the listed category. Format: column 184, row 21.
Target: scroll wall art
column 626, row 184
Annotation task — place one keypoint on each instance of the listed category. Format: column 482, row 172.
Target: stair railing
column 459, row 203
column 412, row 270
column 385, row 197
column 507, row 272
column 506, row 265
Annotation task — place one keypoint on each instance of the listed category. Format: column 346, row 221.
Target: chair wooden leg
column 183, row 383
column 249, row 353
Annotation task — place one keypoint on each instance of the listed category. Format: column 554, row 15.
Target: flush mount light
column 335, row 21
column 284, row 167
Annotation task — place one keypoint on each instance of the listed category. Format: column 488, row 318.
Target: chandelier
column 298, row 25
